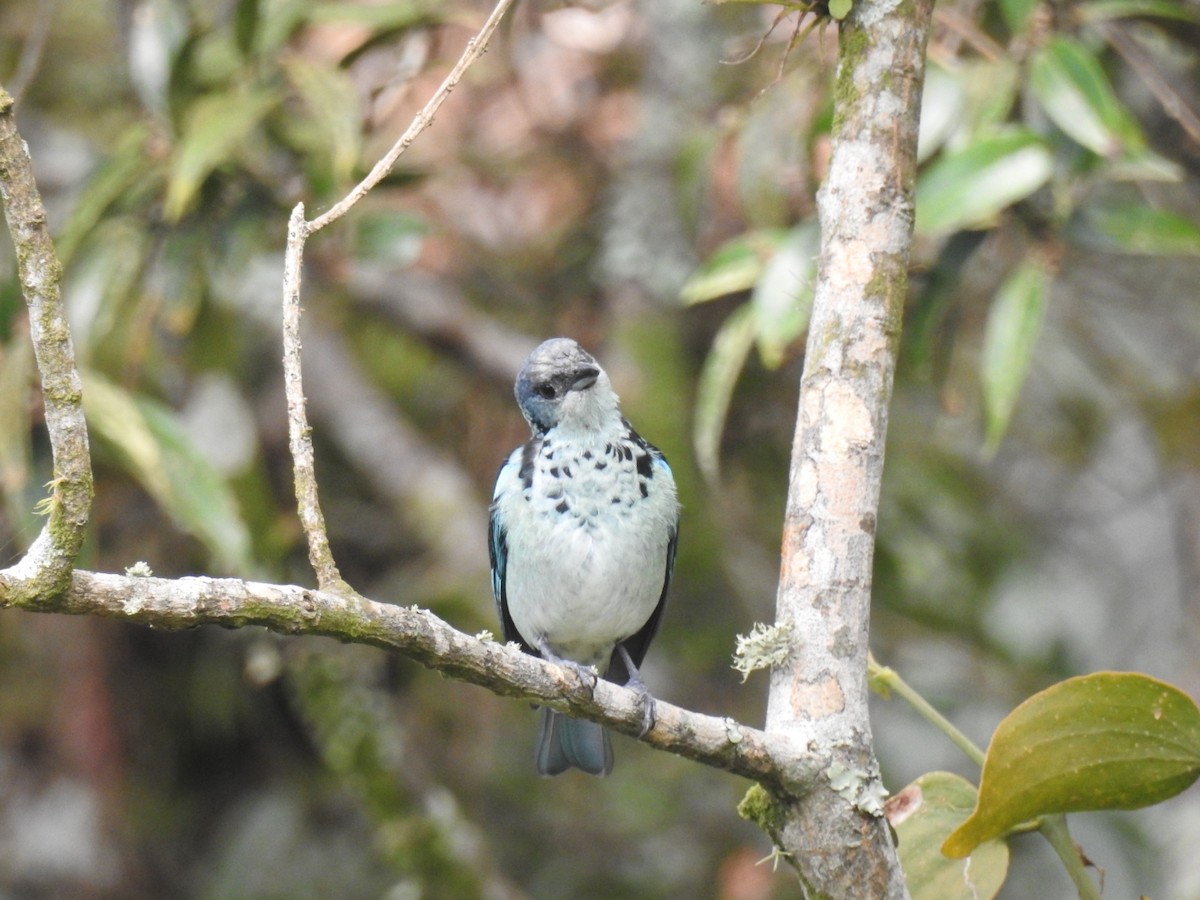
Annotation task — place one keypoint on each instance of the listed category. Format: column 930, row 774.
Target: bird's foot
column 635, row 684
column 587, row 675
column 648, row 704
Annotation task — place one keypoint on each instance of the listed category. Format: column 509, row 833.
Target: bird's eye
column 545, row 391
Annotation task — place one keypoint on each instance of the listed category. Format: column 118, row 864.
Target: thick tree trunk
column 836, row 836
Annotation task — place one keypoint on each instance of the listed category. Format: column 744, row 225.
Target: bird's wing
column 509, row 480
column 637, row 644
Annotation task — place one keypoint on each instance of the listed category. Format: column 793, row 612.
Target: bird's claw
column 646, row 702
column 587, row 675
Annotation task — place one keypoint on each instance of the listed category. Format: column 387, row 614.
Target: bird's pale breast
column 587, row 546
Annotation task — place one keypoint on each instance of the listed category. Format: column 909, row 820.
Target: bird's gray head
column 562, row 384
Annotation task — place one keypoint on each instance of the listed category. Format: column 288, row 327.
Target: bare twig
column 46, row 568
column 299, row 230
column 420, row 635
column 475, row 49
column 299, row 433
column 1169, row 97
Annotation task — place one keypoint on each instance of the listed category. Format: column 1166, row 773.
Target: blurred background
column 640, row 176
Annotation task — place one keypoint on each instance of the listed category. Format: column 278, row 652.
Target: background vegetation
column 599, row 174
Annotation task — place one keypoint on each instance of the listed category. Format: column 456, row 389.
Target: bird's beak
column 585, row 378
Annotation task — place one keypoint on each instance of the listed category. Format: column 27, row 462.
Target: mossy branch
column 45, row 569
column 175, row 604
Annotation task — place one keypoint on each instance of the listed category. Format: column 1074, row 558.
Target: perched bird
column 584, row 523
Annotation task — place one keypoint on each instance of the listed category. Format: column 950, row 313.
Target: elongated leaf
column 150, row 444
column 735, row 266
column 1072, row 88
column 216, row 125
column 942, row 102
column 1141, row 229
column 245, row 25
column 970, row 187
column 924, row 814
column 278, row 21
column 1112, row 740
column 725, row 361
column 783, row 296
column 1013, row 326
column 992, row 87
column 332, row 114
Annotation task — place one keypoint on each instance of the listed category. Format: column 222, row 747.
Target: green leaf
column 245, row 25
column 782, row 298
column 839, row 9
column 1069, row 83
column 147, row 440
column 924, row 814
column 725, row 361
column 1137, row 228
column 992, row 87
column 215, row 127
column 969, row 187
column 1016, row 13
column 1112, row 740
column 278, row 20
column 1104, row 10
column 942, row 102
column 1013, row 326
column 735, row 266
column 333, row 114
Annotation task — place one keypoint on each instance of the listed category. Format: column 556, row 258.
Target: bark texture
column 46, row 569
column 179, row 603
column 835, row 836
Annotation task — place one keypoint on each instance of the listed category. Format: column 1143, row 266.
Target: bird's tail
column 565, row 743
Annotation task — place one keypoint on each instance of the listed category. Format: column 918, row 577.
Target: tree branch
column 423, row 119
column 866, row 215
column 308, row 503
column 299, row 230
column 181, row 603
column 46, row 567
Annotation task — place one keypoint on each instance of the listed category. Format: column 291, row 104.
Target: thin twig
column 299, row 230
column 46, row 568
column 891, row 680
column 1054, row 829
column 1169, row 98
column 299, row 433
column 475, row 49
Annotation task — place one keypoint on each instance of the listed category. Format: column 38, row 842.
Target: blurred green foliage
column 1040, row 501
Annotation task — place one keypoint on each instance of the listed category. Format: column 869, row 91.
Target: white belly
column 583, row 588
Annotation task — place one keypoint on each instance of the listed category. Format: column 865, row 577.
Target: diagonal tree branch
column 181, row 603
column 45, row 570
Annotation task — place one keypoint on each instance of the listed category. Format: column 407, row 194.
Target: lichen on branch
column 45, row 569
